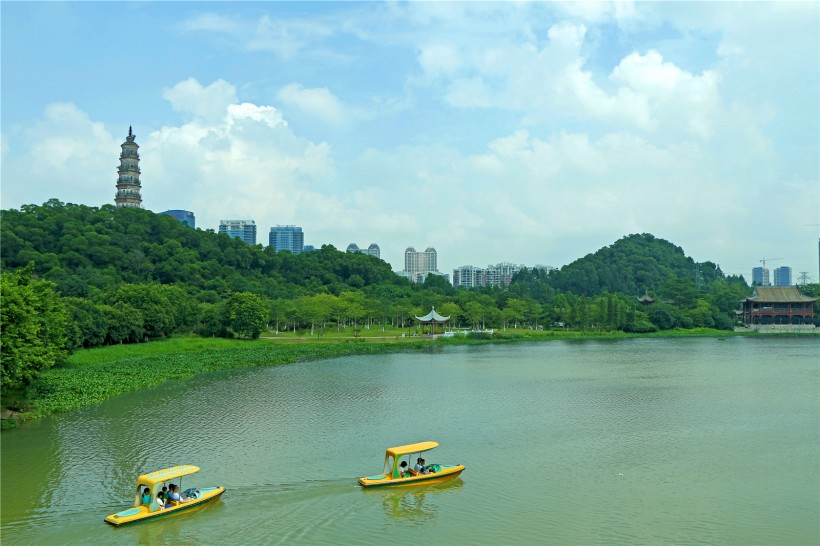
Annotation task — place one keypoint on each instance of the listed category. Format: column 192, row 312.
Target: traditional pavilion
column 431, row 319
column 646, row 299
column 776, row 305
column 128, row 181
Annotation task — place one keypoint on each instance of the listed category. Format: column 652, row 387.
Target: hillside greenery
column 75, row 276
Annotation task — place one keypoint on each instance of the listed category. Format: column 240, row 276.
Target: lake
column 638, row 441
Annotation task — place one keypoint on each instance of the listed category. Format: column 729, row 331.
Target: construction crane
column 763, row 261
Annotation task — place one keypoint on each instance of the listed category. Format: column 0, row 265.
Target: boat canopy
column 166, row 474
column 411, row 448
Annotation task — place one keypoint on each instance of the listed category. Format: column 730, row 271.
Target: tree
column 32, row 328
column 153, row 304
column 246, row 314
column 438, row 284
column 452, row 310
column 316, row 308
column 664, row 316
column 87, row 325
column 515, row 311
column 124, row 324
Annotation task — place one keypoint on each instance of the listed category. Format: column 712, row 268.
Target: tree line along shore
column 79, row 280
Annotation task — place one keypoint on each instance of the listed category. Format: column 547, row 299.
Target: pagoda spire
column 128, row 182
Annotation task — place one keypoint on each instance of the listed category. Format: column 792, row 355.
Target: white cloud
column 54, row 157
column 212, row 22
column 202, row 102
column 439, row 60
column 321, row 103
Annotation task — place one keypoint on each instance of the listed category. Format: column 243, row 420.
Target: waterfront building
column 760, row 276
column 184, row 216
column 776, row 305
column 128, row 182
column 783, row 276
column 287, row 237
column 239, row 229
column 372, row 250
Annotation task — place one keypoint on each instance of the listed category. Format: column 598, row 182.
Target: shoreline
column 91, row 376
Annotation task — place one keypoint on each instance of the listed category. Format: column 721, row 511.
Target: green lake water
column 641, row 441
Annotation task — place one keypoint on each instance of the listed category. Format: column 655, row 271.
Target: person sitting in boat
column 173, row 495
column 146, row 496
column 404, row 471
column 420, row 468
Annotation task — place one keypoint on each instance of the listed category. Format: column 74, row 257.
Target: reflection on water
column 407, row 503
column 634, row 441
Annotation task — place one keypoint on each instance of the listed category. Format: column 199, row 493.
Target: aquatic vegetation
column 93, row 376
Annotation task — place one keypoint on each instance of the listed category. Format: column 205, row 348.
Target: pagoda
column 128, row 183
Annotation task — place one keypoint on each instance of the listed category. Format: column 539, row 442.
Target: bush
column 641, row 327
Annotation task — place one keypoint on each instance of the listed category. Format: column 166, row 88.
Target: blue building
column 760, row 276
column 184, row 216
column 783, row 276
column 287, row 238
column 239, row 229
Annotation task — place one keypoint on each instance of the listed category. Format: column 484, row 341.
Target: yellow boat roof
column 411, row 448
column 167, row 474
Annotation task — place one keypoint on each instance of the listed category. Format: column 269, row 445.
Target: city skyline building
column 760, row 276
column 372, row 250
column 501, row 274
column 128, row 179
column 184, row 216
column 239, row 229
column 417, row 265
column 783, row 276
column 468, row 276
column 287, row 237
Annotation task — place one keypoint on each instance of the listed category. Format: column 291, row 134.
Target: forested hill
column 84, row 249
column 632, row 265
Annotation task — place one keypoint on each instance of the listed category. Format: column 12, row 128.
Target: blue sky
column 531, row 132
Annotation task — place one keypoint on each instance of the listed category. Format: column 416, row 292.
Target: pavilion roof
column 778, row 294
column 432, row 316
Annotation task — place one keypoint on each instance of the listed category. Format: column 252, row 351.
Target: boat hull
column 141, row 513
column 446, row 473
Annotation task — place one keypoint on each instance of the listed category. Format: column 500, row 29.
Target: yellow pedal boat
column 148, row 506
column 395, row 476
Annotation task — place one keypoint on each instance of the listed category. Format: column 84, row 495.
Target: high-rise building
column 373, row 249
column 468, row 276
column 287, row 238
column 783, row 276
column 417, row 265
column 760, row 276
column 184, row 216
column 128, row 181
column 501, row 274
column 239, row 229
